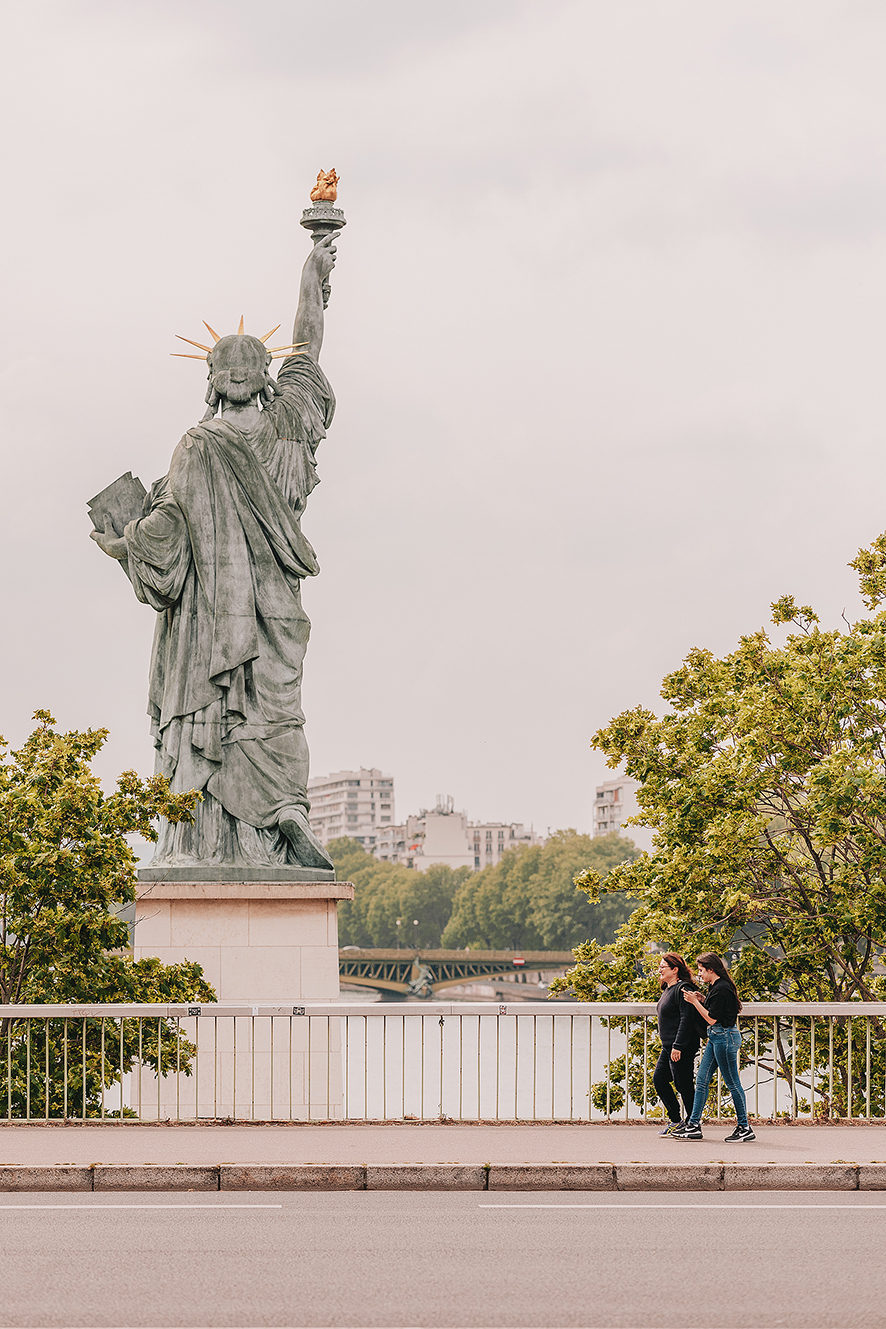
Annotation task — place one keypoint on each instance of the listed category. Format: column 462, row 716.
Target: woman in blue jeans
column 719, row 1009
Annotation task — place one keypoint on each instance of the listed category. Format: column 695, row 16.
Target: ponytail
column 711, row 961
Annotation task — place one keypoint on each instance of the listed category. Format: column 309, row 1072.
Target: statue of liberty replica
column 217, row 550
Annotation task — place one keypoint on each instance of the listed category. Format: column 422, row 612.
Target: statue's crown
column 275, row 352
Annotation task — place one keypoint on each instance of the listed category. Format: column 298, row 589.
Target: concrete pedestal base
column 257, row 941
column 270, row 942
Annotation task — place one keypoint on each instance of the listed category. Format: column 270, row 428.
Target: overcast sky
column 606, row 333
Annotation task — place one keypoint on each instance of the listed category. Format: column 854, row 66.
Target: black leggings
column 682, row 1073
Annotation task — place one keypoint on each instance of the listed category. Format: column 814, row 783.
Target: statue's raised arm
column 313, row 295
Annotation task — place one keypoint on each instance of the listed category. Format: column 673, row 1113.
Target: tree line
column 526, row 901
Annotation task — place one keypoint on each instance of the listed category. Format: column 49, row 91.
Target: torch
column 322, row 217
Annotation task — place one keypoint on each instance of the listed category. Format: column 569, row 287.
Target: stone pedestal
column 270, row 942
column 258, row 941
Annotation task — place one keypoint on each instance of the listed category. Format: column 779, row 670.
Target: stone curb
column 446, row 1177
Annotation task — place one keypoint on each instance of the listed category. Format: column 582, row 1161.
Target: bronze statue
column 218, row 552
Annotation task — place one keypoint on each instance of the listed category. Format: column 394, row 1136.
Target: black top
column 722, row 1003
column 676, row 1026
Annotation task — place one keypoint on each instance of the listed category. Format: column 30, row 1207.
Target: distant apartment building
column 615, row 801
column 359, row 804
column 442, row 835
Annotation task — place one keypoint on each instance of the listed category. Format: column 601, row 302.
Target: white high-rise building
column 442, row 835
column 359, row 804
column 615, row 801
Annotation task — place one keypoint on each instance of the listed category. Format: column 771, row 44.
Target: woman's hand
column 694, row 997
column 675, row 1054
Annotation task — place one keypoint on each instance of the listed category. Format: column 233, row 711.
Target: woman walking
column 679, row 1040
column 720, row 1010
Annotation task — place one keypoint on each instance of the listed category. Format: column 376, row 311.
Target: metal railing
column 430, row 1060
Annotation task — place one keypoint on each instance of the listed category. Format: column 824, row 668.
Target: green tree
column 66, row 868
column 387, row 892
column 528, row 900
column 765, row 784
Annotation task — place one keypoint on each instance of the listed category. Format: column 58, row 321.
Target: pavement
column 524, row 1261
column 429, row 1156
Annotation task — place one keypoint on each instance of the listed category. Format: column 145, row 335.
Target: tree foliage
column 765, row 784
column 387, row 892
column 66, row 868
column 528, row 900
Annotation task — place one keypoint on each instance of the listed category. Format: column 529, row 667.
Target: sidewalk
column 415, row 1142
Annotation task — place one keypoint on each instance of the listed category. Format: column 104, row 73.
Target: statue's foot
column 309, row 852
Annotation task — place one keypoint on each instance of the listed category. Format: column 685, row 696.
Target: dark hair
column 675, row 961
column 713, row 962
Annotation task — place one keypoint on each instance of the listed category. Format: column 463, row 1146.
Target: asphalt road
column 644, row 1261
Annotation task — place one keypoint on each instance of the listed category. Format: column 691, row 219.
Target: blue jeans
column 720, row 1051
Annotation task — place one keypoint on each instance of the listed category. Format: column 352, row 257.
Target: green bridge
column 408, row 973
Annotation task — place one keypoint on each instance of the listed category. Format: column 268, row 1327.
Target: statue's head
column 238, row 367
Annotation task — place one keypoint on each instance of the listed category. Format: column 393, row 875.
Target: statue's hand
column 108, row 540
column 321, row 259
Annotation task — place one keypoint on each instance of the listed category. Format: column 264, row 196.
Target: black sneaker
column 741, row 1135
column 689, row 1131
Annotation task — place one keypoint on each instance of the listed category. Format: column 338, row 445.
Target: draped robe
column 220, row 555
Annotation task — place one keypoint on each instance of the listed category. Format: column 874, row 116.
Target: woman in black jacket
column 719, row 1010
column 679, row 1040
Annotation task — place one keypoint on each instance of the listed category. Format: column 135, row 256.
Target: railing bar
column 793, row 1068
column 178, row 1068
column 215, row 1067
column 756, row 1066
column 290, row 1066
column 102, row 1085
column 553, row 1049
column 234, row 1070
column 122, row 1030
column 365, row 1067
column 645, row 1063
column 421, row 1078
column 479, row 1030
column 590, row 1062
column 867, row 1091
column 159, row 1060
column 402, row 1067
column 140, row 1066
column 442, row 1031
column 775, row 1067
column 46, row 1070
column 497, row 1060
column 461, row 1065
column 516, row 1063
column 849, row 1113
column 83, row 1075
column 65, row 1036
column 310, row 1096
column 28, row 1070
column 608, row 1068
column 272, row 1068
column 252, row 1069
column 534, row 1062
column 328, row 1064
column 196, row 1068
column 812, row 1062
column 627, row 1063
column 831, row 1066
column 571, row 1073
column 384, row 1068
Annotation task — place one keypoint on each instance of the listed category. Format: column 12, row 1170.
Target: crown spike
column 289, row 346
column 182, row 355
column 213, row 332
column 269, row 334
column 198, row 344
column 240, row 329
